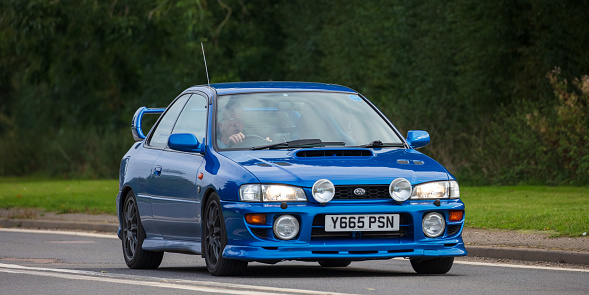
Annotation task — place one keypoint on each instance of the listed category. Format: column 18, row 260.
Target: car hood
column 303, row 167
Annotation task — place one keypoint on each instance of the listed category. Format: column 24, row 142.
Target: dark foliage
column 472, row 73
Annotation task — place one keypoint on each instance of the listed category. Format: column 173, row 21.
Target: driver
column 230, row 127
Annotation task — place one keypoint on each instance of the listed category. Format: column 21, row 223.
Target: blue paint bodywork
column 171, row 192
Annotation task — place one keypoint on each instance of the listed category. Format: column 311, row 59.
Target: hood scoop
column 262, row 164
column 415, row 162
column 333, row 153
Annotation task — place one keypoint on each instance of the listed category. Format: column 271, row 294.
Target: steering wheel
column 251, row 140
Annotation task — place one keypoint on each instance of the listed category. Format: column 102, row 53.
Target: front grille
column 321, row 233
column 371, row 192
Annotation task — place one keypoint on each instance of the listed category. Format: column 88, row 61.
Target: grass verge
column 62, row 196
column 561, row 211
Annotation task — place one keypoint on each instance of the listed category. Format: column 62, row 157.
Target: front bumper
column 257, row 242
column 352, row 252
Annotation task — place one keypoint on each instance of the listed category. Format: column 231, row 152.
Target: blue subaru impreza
column 274, row 171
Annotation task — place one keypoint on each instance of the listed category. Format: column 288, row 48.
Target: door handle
column 157, row 171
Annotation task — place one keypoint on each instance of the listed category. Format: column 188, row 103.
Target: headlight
column 323, row 191
column 271, row 193
column 436, row 190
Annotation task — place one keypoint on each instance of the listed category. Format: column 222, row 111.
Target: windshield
column 265, row 119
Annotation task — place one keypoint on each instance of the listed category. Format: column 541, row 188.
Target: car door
column 143, row 164
column 175, row 201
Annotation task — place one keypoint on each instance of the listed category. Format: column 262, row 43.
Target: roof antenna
column 205, row 58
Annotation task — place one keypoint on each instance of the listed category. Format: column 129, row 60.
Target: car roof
column 272, row 86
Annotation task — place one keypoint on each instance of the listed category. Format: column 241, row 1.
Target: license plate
column 371, row 222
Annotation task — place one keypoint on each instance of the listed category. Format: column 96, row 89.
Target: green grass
column 560, row 211
column 62, row 196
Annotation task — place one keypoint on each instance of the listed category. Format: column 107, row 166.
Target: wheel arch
column 124, row 193
column 205, row 199
column 120, row 207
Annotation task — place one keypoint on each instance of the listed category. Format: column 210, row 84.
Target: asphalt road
column 49, row 263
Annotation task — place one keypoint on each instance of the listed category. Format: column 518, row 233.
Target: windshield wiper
column 380, row 144
column 298, row 143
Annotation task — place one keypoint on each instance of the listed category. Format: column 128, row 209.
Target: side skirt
column 160, row 245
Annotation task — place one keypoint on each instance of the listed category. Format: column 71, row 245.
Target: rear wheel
column 334, row 262
column 432, row 266
column 133, row 236
column 215, row 240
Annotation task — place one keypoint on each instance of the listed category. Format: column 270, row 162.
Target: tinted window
column 164, row 127
column 283, row 116
column 193, row 118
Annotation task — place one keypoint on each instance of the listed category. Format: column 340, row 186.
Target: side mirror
column 417, row 138
column 185, row 142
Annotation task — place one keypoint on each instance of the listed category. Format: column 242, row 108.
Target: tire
column 334, row 262
column 432, row 266
column 133, row 237
column 215, row 240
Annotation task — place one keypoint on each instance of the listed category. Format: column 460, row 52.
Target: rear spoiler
column 138, row 118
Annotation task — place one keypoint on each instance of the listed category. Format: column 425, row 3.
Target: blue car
column 275, row 171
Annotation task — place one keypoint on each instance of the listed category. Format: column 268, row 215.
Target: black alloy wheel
column 129, row 228
column 133, row 237
column 215, row 240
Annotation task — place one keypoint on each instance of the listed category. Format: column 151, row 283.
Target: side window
column 164, row 128
column 193, row 118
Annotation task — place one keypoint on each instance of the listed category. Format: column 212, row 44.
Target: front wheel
column 133, row 236
column 432, row 266
column 215, row 240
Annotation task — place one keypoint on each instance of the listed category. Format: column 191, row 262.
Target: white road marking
column 58, row 232
column 201, row 286
column 114, row 236
column 520, row 266
column 71, row 242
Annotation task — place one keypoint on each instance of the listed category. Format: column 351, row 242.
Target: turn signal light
column 255, row 218
column 456, row 215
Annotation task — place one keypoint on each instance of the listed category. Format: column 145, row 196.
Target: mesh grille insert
column 371, row 192
column 260, row 232
column 453, row 229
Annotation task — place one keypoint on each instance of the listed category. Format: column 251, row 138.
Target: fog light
column 286, row 227
column 400, row 189
column 433, row 224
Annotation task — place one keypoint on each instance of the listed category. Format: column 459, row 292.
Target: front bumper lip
column 244, row 245
column 360, row 252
